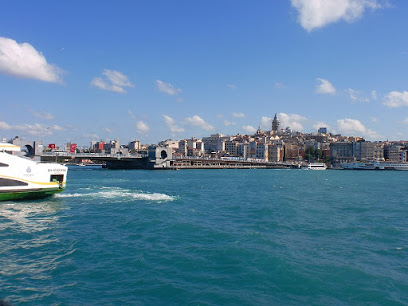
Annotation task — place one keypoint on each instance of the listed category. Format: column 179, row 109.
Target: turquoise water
column 206, row 237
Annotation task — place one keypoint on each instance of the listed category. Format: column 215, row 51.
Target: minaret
column 275, row 124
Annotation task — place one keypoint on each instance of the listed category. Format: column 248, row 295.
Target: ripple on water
column 234, row 237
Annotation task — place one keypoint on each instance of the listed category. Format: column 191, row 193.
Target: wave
column 69, row 195
column 115, row 193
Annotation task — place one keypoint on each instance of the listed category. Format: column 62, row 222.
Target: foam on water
column 115, row 193
column 235, row 237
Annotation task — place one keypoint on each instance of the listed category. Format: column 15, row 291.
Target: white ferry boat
column 22, row 178
column 314, row 166
column 375, row 165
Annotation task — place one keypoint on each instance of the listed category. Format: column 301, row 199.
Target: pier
column 161, row 158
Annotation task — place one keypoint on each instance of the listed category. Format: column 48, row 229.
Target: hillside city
column 276, row 145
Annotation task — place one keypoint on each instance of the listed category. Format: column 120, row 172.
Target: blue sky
column 153, row 70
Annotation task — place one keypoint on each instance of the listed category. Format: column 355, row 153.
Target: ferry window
column 8, row 182
column 57, row 177
column 3, row 165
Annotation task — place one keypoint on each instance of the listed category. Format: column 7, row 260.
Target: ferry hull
column 28, row 194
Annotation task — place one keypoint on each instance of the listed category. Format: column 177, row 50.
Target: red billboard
column 51, row 146
column 73, row 148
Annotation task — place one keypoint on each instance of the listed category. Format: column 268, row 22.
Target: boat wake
column 116, row 193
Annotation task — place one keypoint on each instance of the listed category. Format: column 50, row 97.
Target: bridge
column 161, row 158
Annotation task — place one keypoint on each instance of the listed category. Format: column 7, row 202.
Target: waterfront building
column 275, row 153
column 216, row 142
column 191, row 147
column 113, row 147
column 200, row 147
column 98, row 146
column 365, row 150
column 231, row 147
column 318, row 137
column 182, row 147
column 395, row 152
column 134, row 146
column 341, row 151
column 258, row 150
column 243, row 149
column 293, row 151
column 312, row 143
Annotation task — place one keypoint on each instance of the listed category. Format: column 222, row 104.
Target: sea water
column 210, row 237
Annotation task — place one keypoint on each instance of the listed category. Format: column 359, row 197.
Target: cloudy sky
column 153, row 70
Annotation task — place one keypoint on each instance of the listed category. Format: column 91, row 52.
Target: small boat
column 314, row 166
column 22, row 178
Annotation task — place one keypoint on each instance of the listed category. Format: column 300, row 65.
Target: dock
column 161, row 158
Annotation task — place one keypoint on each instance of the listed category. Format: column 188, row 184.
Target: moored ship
column 22, row 178
column 315, row 166
column 375, row 165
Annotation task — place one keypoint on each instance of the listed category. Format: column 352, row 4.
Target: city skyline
column 158, row 70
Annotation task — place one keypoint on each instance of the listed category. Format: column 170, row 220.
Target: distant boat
column 375, row 165
column 314, row 166
column 22, row 178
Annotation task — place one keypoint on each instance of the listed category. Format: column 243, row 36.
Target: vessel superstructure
column 375, row 165
column 22, row 178
column 314, row 166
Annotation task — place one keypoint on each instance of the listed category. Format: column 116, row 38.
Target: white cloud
column 314, row 14
column 172, row 125
column 57, row 128
column 325, row 87
column 43, row 115
column 355, row 96
column 374, row 95
column 370, row 134
column 353, row 127
column 4, row 126
column 24, row 61
column 232, row 86
column 167, row 88
column 35, row 129
column 405, row 121
column 142, row 127
column 112, row 80
column 249, row 129
column 266, row 122
column 279, row 85
column 238, row 115
column 107, row 130
column 396, row 99
column 91, row 136
column 200, row 122
column 228, row 123
column 320, row 124
column 294, row 121
column 373, row 119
